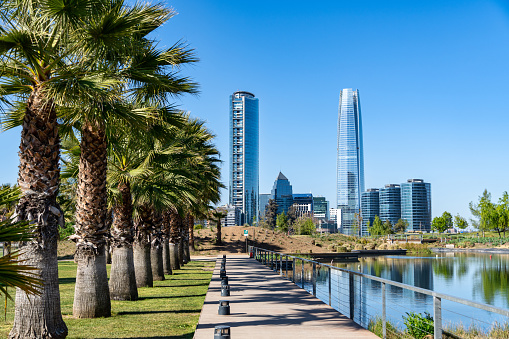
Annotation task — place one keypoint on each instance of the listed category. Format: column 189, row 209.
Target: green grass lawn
column 168, row 310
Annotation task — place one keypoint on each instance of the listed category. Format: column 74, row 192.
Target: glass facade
column 264, row 201
column 370, row 206
column 283, row 194
column 244, row 156
column 320, row 208
column 350, row 160
column 416, row 204
column 390, row 203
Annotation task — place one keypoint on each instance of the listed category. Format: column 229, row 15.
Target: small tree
column 503, row 213
column 401, row 226
column 460, row 222
column 377, row 227
column 271, row 213
column 442, row 223
column 305, row 226
column 388, row 227
column 292, row 214
column 282, row 222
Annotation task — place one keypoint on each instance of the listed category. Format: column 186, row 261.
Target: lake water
column 472, row 276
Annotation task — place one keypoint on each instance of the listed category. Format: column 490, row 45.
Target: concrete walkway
column 264, row 305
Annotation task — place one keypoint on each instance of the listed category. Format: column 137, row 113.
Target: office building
column 320, row 208
column 335, row 216
column 282, row 193
column 264, row 201
column 390, row 203
column 416, row 204
column 303, row 204
column 243, row 192
column 370, row 206
column 350, row 160
column 233, row 216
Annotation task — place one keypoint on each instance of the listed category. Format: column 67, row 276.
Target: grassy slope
column 168, row 310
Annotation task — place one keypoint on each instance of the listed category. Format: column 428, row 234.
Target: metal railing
column 275, row 261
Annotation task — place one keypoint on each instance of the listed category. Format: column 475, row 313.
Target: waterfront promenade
column 264, row 305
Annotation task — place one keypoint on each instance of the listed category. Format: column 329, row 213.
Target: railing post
column 302, row 275
column 384, row 313
column 330, row 288
column 286, row 257
column 293, row 270
column 280, row 264
column 351, row 293
column 437, row 317
column 314, row 278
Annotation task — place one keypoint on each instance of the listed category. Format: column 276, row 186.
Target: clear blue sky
column 433, row 78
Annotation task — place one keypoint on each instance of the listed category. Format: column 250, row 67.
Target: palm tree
column 34, row 50
column 216, row 215
column 144, row 72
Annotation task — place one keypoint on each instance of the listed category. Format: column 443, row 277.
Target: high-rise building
column 232, row 217
column 416, row 204
column 370, row 206
column 264, row 201
column 350, row 160
column 282, row 193
column 390, row 203
column 244, row 155
column 320, row 208
column 303, row 204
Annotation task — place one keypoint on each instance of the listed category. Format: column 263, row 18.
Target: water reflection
column 466, row 275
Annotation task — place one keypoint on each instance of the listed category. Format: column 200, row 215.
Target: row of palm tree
column 89, row 73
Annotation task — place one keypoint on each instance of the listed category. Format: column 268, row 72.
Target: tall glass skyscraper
column 282, row 193
column 350, row 173
column 244, row 155
column 416, row 204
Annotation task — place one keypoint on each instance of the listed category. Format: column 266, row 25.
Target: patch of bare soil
column 234, row 241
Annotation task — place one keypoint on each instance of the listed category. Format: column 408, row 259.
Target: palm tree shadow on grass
column 156, row 312
column 173, row 296
column 62, row 281
column 183, row 336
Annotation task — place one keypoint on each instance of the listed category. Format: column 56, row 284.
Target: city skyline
column 418, row 65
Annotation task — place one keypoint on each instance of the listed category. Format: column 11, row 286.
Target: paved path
column 264, row 305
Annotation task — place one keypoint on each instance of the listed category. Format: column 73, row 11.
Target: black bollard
column 224, row 307
column 222, row 332
column 225, row 290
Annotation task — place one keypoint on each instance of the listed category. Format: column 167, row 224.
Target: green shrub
column 198, row 227
column 418, row 325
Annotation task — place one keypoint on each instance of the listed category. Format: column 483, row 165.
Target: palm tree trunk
column 187, row 254
column 191, row 233
column 142, row 265
column 166, row 257
column 92, row 295
column 122, row 277
column 174, row 257
column 166, row 248
column 156, row 249
column 174, row 239
column 156, row 259
column 142, row 262
column 39, row 178
column 181, row 251
column 218, row 236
